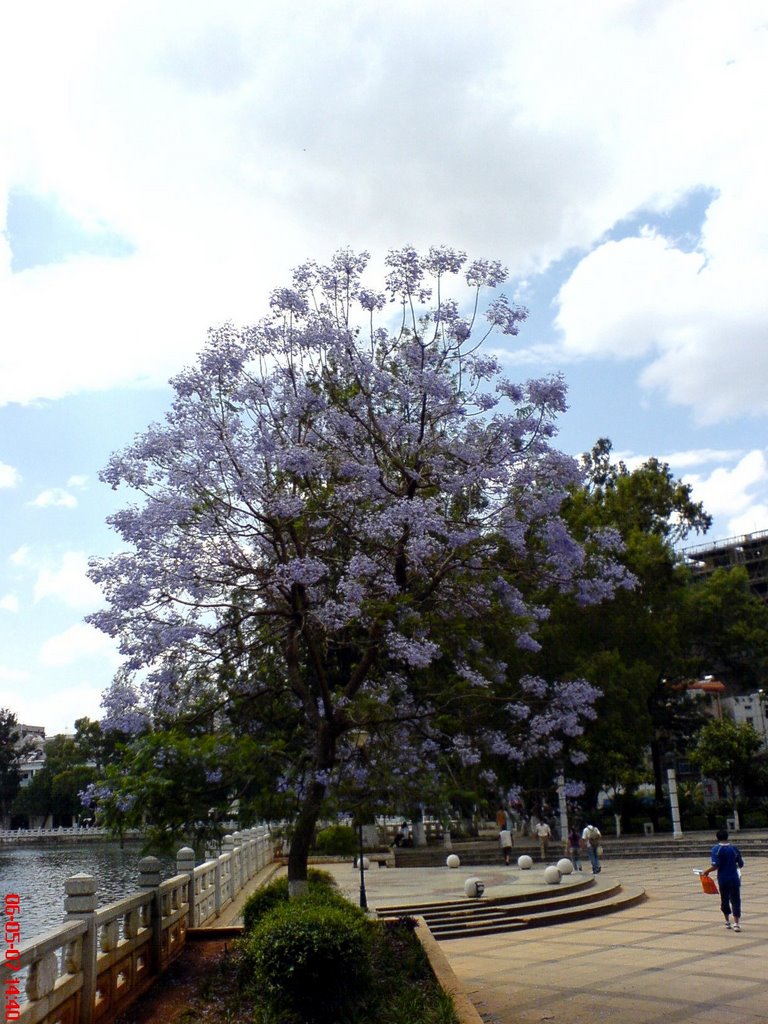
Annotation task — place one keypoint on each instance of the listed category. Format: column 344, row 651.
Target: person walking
column 592, row 836
column 543, row 834
column 505, row 840
column 727, row 861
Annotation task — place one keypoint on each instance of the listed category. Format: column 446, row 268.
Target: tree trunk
column 301, row 840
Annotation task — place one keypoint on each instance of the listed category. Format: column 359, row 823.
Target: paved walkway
column 667, row 960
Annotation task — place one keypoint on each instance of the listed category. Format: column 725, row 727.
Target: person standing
column 727, row 861
column 592, row 836
column 544, row 834
column 505, row 840
column 574, row 846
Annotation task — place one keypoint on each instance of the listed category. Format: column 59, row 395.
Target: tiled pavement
column 668, row 960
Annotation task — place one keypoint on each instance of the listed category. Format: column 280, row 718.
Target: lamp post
column 363, row 896
column 360, row 738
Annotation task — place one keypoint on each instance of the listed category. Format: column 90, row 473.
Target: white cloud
column 77, row 481
column 68, row 583
column 738, row 493
column 21, row 556
column 227, row 145
column 9, row 476
column 698, row 317
column 9, row 603
column 10, row 675
column 55, row 497
column 699, row 457
column 79, row 642
column 56, row 709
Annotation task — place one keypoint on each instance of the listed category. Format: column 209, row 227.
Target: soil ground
column 172, row 995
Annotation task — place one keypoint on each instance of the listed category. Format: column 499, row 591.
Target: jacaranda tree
column 335, row 496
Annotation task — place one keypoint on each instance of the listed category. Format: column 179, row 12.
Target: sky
column 163, row 166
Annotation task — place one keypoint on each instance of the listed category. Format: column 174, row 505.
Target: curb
column 446, row 979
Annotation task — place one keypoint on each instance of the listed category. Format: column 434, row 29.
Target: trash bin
column 647, row 828
column 730, row 824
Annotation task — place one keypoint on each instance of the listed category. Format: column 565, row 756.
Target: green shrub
column 755, row 819
column 336, row 841
column 310, row 955
column 636, row 826
column 263, row 900
column 270, row 896
column 696, row 822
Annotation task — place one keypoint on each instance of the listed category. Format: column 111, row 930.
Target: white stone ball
column 366, row 864
column 524, row 862
column 452, row 861
column 565, row 867
column 474, row 887
column 552, row 875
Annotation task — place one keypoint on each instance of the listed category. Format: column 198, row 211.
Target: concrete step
column 486, row 852
column 582, row 899
column 619, row 899
column 550, row 892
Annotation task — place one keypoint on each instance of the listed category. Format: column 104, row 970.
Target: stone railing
column 101, row 959
column 37, row 835
column 217, row 882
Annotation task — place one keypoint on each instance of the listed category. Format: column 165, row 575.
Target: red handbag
column 708, row 885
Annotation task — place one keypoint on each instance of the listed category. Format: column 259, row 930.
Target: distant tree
column 9, row 760
column 727, row 624
column 331, row 490
column 178, row 786
column 632, row 646
column 726, row 751
column 55, row 789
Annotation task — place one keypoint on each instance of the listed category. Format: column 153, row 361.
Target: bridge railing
column 101, row 959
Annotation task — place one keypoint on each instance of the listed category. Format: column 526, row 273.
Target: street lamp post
column 363, row 896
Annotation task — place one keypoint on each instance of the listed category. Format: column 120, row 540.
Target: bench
column 384, row 860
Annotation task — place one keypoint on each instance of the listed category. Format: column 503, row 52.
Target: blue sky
column 162, row 167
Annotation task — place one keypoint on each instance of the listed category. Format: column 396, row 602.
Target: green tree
column 55, row 789
column 726, row 751
column 180, row 785
column 635, row 645
column 9, row 760
column 728, row 628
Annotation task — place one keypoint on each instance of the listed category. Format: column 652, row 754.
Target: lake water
column 38, row 873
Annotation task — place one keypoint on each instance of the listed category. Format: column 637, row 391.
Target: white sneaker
column 737, row 927
column 727, row 924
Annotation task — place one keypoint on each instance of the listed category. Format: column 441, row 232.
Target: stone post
column 228, row 850
column 185, row 865
column 677, row 830
column 217, row 886
column 238, row 874
column 149, row 878
column 249, row 848
column 80, row 905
